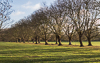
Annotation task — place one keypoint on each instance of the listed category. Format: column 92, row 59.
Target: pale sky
column 24, row 8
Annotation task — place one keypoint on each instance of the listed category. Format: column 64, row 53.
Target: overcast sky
column 24, row 8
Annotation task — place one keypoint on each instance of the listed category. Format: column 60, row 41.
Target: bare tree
column 45, row 24
column 56, row 20
column 91, row 13
column 83, row 13
column 69, row 31
column 35, row 24
column 4, row 11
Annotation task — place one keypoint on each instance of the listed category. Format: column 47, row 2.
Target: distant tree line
column 67, row 20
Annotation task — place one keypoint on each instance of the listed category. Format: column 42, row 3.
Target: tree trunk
column 56, row 39
column 89, row 42
column 28, row 40
column 23, row 40
column 80, row 40
column 70, row 41
column 16, row 40
column 59, row 39
column 46, row 42
column 33, row 40
column 20, row 40
column 36, row 40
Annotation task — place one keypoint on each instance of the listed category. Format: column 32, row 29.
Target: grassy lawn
column 40, row 53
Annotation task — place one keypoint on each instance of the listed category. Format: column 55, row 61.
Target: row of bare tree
column 63, row 17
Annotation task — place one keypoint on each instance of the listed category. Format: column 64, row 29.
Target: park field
column 11, row 52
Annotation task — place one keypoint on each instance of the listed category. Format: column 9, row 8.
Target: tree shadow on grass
column 77, row 54
column 60, row 50
column 51, row 59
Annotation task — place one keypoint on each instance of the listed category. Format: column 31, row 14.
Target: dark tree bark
column 20, row 40
column 23, row 40
column 80, row 40
column 33, row 40
column 56, row 39
column 89, row 42
column 70, row 41
column 36, row 39
column 59, row 39
column 46, row 42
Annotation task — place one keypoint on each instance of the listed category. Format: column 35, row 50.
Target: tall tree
column 69, row 31
column 45, row 28
column 35, row 24
column 56, row 20
column 91, row 13
column 83, row 14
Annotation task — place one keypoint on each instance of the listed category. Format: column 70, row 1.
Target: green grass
column 32, row 53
